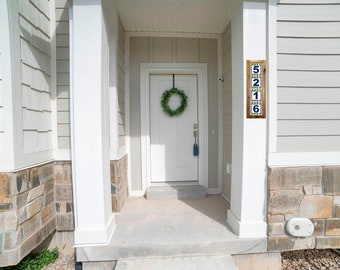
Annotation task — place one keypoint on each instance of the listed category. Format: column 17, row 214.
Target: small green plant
column 36, row 262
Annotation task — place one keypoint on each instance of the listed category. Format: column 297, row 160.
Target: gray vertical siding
column 308, row 62
column 1, row 111
column 63, row 73
column 35, row 37
column 172, row 50
column 121, row 83
column 227, row 108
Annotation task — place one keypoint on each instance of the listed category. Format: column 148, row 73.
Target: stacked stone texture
column 63, row 196
column 119, row 183
column 308, row 192
column 27, row 214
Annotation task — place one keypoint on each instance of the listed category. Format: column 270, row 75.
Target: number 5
column 256, row 69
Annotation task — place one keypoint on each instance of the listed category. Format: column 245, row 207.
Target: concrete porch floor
column 158, row 228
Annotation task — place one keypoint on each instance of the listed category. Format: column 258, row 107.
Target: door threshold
column 183, row 192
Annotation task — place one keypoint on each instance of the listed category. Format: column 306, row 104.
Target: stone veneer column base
column 306, row 192
column 27, row 212
column 119, row 183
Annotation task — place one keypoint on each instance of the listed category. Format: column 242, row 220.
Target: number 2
column 255, row 82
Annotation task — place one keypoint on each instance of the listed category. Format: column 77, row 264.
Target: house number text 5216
column 256, row 89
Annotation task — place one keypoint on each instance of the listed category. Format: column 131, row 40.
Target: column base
column 95, row 236
column 246, row 229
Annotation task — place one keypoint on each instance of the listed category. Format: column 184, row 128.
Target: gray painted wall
column 1, row 109
column 227, row 109
column 35, row 38
column 63, row 73
column 172, row 50
column 308, row 62
column 63, row 76
column 121, row 83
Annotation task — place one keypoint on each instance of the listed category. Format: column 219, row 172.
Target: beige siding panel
column 35, row 49
column 63, row 117
column 309, row 29
column 308, row 79
column 63, row 105
column 122, row 141
column 63, row 66
column 64, row 142
column 63, row 79
column 227, row 109
column 63, row 91
column 61, row 3
column 308, row 62
column 308, row 95
column 309, row 128
column 186, row 50
column 63, row 53
column 308, row 46
column 63, row 130
column 139, row 53
column 308, row 13
column 308, row 111
column 62, row 14
column 309, row 2
column 62, row 28
column 121, row 82
column 63, row 75
column 309, row 144
column 162, row 50
column 63, row 40
column 207, row 52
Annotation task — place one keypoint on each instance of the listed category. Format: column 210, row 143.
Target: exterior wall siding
column 308, row 56
column 227, row 108
column 63, row 73
column 121, row 84
column 35, row 36
column 1, row 111
column 172, row 50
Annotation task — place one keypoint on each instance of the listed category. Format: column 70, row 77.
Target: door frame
column 201, row 71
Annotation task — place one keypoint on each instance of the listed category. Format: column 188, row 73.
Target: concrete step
column 192, row 192
column 218, row 262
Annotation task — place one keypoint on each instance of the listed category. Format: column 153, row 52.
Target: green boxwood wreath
column 166, row 98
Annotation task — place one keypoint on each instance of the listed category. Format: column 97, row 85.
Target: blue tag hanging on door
column 195, row 148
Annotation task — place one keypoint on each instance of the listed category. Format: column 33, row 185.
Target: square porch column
column 247, row 215
column 90, row 127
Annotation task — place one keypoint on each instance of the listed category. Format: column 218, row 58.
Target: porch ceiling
column 188, row 16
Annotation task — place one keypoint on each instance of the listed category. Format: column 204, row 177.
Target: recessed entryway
column 167, row 142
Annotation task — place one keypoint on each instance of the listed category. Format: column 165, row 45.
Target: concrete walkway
column 179, row 263
column 158, row 228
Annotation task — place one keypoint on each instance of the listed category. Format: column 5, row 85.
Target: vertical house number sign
column 256, row 89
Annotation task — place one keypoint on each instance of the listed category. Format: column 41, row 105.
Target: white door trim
column 147, row 69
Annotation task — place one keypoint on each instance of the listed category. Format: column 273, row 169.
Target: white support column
column 249, row 136
column 90, row 124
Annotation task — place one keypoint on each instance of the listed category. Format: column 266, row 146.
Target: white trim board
column 147, row 69
column 303, row 159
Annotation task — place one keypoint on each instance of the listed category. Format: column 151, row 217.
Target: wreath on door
column 166, row 96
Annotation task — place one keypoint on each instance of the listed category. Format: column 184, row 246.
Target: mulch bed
column 310, row 259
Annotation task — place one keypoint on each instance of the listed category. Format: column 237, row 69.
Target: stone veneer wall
column 119, row 183
column 64, row 196
column 27, row 213
column 308, row 192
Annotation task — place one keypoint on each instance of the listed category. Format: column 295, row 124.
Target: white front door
column 171, row 138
